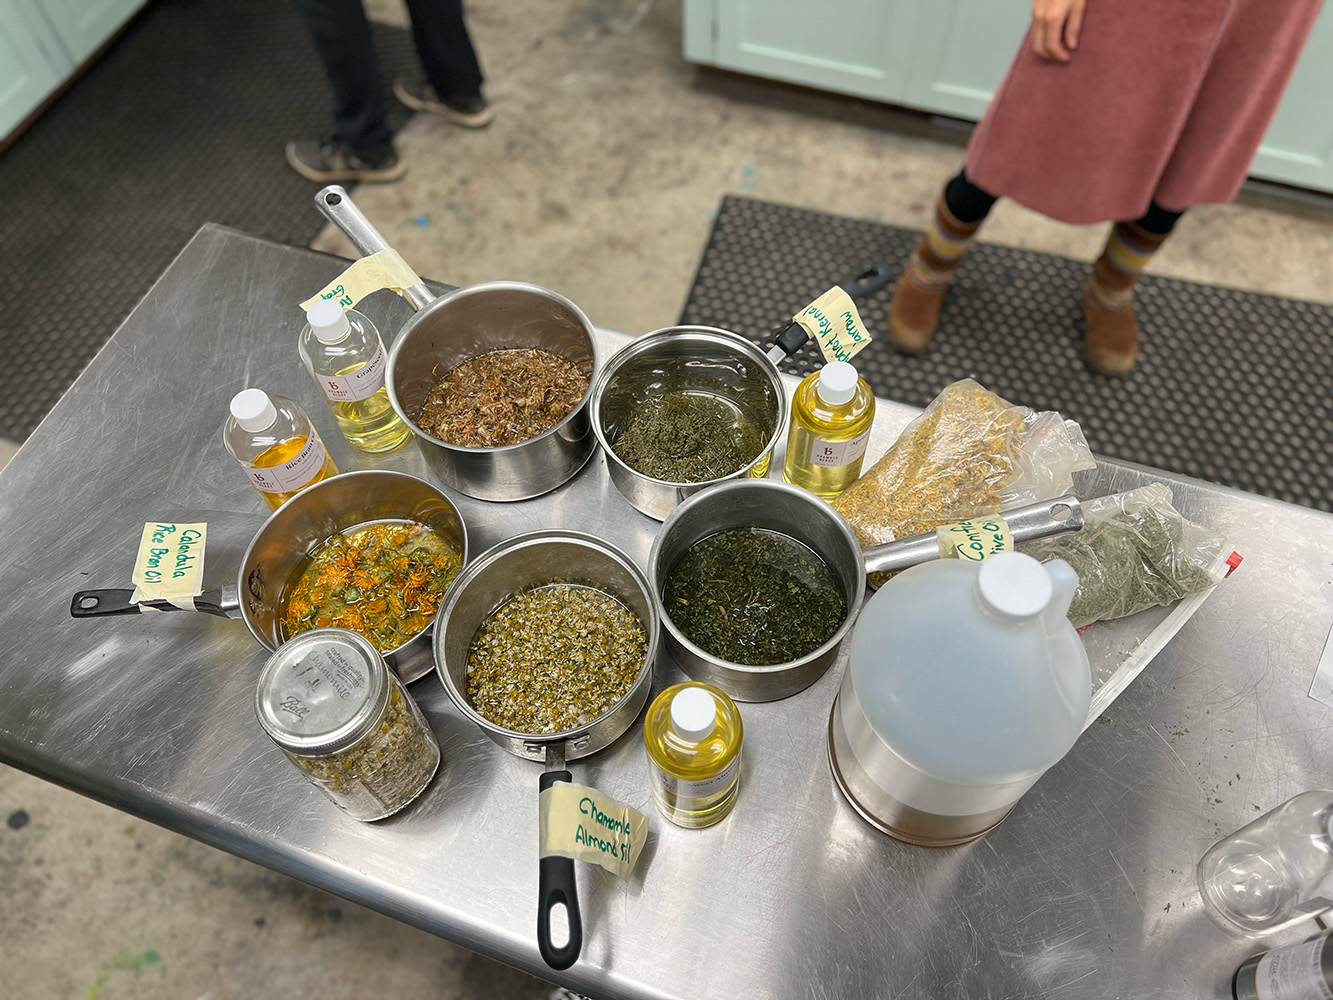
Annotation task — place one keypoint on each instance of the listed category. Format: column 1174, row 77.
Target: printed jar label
column 292, row 474
column 974, row 540
column 1293, row 973
column 687, row 791
column 831, row 454
column 351, row 387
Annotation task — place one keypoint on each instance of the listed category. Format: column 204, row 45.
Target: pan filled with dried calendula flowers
column 547, row 641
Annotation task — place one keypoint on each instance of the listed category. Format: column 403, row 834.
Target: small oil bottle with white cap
column 831, row 413
column 346, row 357
column 693, row 735
column 274, row 441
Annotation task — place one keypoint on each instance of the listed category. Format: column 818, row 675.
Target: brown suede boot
column 1111, row 330
column 915, row 310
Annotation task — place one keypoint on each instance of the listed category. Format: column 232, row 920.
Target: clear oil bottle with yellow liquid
column 273, row 440
column 831, row 413
column 345, row 355
column 693, row 734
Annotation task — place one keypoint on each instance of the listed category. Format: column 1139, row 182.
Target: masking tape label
column 170, row 563
column 834, row 323
column 974, row 539
column 385, row 269
column 581, row 823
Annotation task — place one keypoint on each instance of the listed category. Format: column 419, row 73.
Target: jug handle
column 1064, row 582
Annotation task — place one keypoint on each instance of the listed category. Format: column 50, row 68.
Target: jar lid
column 322, row 692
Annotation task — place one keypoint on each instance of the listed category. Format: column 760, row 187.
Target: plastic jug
column 965, row 683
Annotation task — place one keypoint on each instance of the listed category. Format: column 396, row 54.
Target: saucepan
column 522, row 563
column 798, row 514
column 292, row 532
column 458, row 326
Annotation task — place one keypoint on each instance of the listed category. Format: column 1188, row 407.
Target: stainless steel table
column 1086, row 890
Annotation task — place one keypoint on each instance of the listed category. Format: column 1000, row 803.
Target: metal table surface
column 1086, row 890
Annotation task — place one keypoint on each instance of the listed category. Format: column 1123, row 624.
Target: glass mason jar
column 330, row 702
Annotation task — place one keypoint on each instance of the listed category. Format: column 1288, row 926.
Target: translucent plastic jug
column 966, row 682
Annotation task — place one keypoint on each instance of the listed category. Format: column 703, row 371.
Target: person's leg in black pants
column 342, row 38
column 362, row 147
column 452, row 86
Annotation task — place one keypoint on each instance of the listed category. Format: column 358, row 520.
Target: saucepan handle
column 556, row 886
column 1038, row 520
column 223, row 602
column 334, row 204
column 863, row 281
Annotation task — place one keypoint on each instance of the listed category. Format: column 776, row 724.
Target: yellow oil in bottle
column 285, row 451
column 694, row 753
column 831, row 413
column 369, row 424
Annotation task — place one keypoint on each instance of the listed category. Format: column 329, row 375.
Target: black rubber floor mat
column 182, row 121
column 1230, row 386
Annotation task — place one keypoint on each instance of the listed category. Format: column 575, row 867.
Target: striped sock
column 933, row 261
column 1128, row 251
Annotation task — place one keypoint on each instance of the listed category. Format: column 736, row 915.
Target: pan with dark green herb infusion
column 754, row 597
column 688, row 437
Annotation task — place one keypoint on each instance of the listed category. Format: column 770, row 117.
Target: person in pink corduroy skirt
column 1114, row 110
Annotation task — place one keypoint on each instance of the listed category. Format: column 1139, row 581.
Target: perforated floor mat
column 1230, row 386
column 182, row 121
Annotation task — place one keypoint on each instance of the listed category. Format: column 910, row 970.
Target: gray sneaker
column 468, row 110
column 327, row 161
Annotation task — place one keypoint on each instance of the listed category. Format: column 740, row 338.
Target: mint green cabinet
column 32, row 63
column 44, row 42
column 948, row 56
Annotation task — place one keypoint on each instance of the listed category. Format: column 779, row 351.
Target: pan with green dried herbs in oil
column 754, row 597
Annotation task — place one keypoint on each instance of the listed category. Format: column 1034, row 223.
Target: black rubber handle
column 861, row 282
column 556, row 885
column 100, row 603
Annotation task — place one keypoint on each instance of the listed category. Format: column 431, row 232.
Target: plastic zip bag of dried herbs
column 969, row 452
column 1135, row 552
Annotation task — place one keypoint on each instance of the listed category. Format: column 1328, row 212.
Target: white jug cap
column 693, row 714
column 1014, row 586
column 253, row 410
column 837, row 383
column 327, row 319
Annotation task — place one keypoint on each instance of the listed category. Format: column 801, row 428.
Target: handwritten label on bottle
column 974, row 540
column 581, row 823
column 354, row 386
column 170, row 562
column 832, row 454
column 294, row 473
column 835, row 325
column 385, row 269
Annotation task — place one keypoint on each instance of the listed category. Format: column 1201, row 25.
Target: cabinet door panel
column 30, row 68
column 861, row 48
column 962, row 51
column 1298, row 148
column 83, row 25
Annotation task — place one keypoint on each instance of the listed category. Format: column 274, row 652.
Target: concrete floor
column 599, row 179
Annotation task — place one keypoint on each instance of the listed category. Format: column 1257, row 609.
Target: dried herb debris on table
column 1135, row 552
column 502, row 397
column 687, row 437
column 554, row 658
column 754, row 597
column 383, row 581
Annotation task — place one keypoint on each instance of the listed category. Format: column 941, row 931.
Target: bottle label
column 1293, row 973
column 294, row 473
column 353, row 386
column 687, row 791
column 832, row 454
